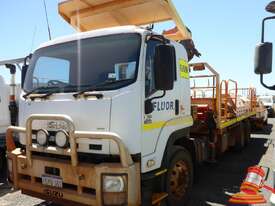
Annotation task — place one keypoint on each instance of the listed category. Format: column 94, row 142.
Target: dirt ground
column 213, row 183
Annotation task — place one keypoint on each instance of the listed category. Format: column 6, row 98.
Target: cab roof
column 95, row 33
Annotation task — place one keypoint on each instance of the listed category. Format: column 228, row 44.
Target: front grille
column 82, row 157
column 88, row 158
column 52, row 171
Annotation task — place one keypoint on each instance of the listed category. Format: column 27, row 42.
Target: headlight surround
column 114, row 189
column 42, row 137
column 62, row 139
column 114, row 183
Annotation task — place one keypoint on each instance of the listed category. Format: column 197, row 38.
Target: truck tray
column 85, row 15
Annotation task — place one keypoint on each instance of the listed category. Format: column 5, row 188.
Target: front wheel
column 179, row 178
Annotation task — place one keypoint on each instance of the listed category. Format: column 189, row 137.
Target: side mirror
column 23, row 74
column 165, row 67
column 263, row 58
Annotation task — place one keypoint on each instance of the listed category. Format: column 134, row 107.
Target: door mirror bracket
column 264, row 85
column 149, row 108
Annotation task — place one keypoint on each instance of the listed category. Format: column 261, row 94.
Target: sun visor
column 86, row 15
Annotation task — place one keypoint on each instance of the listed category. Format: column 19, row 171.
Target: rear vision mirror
column 263, row 58
column 271, row 7
column 165, row 67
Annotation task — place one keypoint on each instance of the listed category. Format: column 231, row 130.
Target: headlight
column 114, row 190
column 61, row 139
column 42, row 137
column 113, row 184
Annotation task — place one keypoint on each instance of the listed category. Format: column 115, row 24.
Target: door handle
column 177, row 107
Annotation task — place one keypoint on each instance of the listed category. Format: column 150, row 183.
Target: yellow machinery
column 85, row 15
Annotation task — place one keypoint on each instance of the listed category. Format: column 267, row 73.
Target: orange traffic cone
column 250, row 188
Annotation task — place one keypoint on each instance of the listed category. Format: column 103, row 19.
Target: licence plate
column 52, row 181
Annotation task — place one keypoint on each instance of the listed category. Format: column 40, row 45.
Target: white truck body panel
column 155, row 139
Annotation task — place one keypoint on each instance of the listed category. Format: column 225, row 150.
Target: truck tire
column 179, row 178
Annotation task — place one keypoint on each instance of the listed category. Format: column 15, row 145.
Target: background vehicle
column 8, row 104
column 268, row 103
column 4, row 118
column 106, row 116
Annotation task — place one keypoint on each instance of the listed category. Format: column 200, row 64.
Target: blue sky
column 225, row 32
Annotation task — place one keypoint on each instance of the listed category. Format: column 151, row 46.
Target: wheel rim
column 179, row 179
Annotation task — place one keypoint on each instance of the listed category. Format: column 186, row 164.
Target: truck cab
column 98, row 100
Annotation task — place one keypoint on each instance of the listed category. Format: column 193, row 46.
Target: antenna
column 46, row 13
column 33, row 38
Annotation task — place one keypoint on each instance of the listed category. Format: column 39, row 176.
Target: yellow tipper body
column 86, row 15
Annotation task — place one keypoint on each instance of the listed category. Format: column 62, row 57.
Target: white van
column 267, row 101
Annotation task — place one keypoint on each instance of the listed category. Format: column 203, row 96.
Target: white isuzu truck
column 105, row 115
column 93, row 97
column 104, row 120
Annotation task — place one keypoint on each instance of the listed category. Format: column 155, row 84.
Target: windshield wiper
column 96, row 87
column 48, row 90
column 38, row 90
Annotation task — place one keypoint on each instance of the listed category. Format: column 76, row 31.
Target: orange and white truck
column 106, row 116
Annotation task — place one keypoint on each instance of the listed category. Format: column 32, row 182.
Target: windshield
column 72, row 66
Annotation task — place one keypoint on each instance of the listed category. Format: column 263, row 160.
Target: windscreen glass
column 108, row 62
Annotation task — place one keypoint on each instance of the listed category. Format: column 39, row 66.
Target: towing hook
column 81, row 177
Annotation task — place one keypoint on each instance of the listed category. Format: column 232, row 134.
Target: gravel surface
column 213, row 184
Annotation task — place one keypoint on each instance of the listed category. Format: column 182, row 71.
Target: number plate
column 52, row 181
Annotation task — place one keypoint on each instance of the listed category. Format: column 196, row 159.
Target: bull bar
column 28, row 164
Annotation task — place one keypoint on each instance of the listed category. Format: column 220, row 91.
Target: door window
column 149, row 68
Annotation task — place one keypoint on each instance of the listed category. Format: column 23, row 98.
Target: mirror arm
column 27, row 58
column 149, row 101
column 157, row 37
column 158, row 97
column 262, row 82
column 263, row 26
